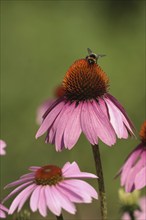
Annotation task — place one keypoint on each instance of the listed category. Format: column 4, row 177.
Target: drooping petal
column 129, row 184
column 89, row 123
column 52, row 115
column 52, row 202
column 27, row 175
column 34, row 199
column 53, row 129
column 2, row 214
column 72, row 196
column 18, row 182
column 23, row 200
column 104, row 129
column 129, row 163
column 34, row 168
column 78, row 187
column 17, row 190
column 73, row 128
column 130, row 125
column 65, row 203
column 140, row 179
column 42, row 109
column 42, row 205
column 61, row 125
column 2, row 207
column 19, row 197
column 116, row 119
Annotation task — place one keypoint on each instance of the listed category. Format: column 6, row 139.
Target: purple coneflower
column 2, row 147
column 133, row 172
column 53, row 188
column 85, row 106
column 3, row 211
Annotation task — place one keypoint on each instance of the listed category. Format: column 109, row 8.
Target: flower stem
column 59, row 217
column 100, row 179
column 131, row 215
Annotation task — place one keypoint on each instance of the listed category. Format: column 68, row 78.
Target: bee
column 92, row 57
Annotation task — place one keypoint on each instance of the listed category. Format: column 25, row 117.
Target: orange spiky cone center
column 142, row 132
column 85, row 81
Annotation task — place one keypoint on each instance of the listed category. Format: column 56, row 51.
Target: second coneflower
column 85, row 106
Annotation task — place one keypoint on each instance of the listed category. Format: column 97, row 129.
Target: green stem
column 59, row 217
column 102, row 195
column 132, row 217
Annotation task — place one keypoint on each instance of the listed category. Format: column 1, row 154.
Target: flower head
column 53, row 188
column 2, row 147
column 133, row 172
column 85, row 106
column 3, row 211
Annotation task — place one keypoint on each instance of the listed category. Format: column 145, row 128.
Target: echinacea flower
column 3, row 211
column 140, row 213
column 53, row 188
column 85, row 106
column 2, row 147
column 133, row 172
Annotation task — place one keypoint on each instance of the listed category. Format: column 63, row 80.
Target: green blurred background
column 39, row 41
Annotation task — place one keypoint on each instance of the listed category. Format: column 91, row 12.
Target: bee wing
column 89, row 51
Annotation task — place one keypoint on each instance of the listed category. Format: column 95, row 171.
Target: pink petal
column 116, row 119
column 64, row 201
column 34, row 168
column 42, row 109
column 52, row 201
column 61, row 124
column 23, row 200
column 18, row 182
column 42, row 206
column 2, row 207
column 73, row 171
column 2, row 146
column 143, row 155
column 81, row 188
column 16, row 190
column 89, row 126
column 34, row 199
column 52, row 115
column 27, row 175
column 140, row 179
column 125, row 216
column 66, row 166
column 72, row 196
column 104, row 129
column 129, row 184
column 2, row 214
column 119, row 106
column 73, row 129
column 70, row 167
column 19, row 197
column 129, row 163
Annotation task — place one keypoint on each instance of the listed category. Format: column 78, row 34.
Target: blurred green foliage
column 39, row 41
